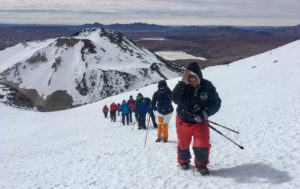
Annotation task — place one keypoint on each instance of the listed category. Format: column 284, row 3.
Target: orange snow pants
column 162, row 128
column 201, row 146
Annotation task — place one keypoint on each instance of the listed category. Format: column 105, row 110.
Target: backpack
column 131, row 103
column 146, row 103
column 125, row 108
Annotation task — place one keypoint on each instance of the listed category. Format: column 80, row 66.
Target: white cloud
column 154, row 11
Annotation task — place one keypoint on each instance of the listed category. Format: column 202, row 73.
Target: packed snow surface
column 79, row 148
column 21, row 52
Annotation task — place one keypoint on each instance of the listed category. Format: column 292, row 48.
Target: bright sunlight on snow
column 79, row 148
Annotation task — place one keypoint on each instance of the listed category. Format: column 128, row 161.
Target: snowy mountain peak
column 84, row 68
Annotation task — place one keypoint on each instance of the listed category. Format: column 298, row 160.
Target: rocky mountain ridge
column 89, row 66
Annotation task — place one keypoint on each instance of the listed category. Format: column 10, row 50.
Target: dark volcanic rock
column 12, row 97
column 37, row 58
column 69, row 42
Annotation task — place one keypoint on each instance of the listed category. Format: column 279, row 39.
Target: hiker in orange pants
column 162, row 100
column 163, row 123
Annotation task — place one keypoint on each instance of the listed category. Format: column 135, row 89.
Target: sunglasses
column 193, row 75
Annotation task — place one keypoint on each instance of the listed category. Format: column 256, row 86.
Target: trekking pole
column 132, row 125
column 150, row 122
column 241, row 147
column 147, row 131
column 135, row 120
column 224, row 127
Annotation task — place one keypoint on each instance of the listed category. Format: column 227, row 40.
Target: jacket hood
column 193, row 66
column 162, row 83
column 139, row 94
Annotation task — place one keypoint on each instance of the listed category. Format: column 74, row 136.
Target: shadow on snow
column 257, row 173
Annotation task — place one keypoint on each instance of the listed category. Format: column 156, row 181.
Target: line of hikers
column 125, row 108
column 139, row 107
column 161, row 102
column 196, row 100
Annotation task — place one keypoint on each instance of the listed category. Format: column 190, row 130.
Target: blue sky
column 172, row 12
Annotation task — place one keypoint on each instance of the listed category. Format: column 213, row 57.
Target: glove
column 205, row 115
column 202, row 117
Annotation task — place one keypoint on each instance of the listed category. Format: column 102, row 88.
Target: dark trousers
column 141, row 118
column 123, row 119
column 105, row 114
column 130, row 116
column 137, row 117
column 142, row 121
column 113, row 116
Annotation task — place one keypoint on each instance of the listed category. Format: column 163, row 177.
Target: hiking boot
column 144, row 128
column 165, row 140
column 185, row 166
column 202, row 169
column 158, row 140
column 140, row 128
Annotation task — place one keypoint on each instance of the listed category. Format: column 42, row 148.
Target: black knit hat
column 193, row 66
column 162, row 83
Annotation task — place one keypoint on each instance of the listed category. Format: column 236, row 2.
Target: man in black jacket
column 197, row 99
column 138, row 111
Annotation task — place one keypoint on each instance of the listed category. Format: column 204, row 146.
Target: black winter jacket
column 138, row 105
column 191, row 102
column 162, row 99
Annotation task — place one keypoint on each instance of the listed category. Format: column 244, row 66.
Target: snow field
column 78, row 148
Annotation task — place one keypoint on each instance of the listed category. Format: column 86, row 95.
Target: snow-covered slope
column 78, row 148
column 94, row 64
column 21, row 51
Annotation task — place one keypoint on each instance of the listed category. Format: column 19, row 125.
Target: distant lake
column 152, row 39
column 177, row 55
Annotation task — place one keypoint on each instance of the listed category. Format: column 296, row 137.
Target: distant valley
column 218, row 44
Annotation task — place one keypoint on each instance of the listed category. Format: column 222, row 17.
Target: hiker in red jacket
column 105, row 111
column 131, row 103
column 113, row 110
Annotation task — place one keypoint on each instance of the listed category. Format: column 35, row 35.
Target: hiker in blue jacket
column 125, row 108
column 146, row 108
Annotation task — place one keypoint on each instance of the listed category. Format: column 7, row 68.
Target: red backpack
column 131, row 103
column 113, row 107
column 105, row 109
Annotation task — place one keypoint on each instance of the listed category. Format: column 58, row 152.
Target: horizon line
column 45, row 24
